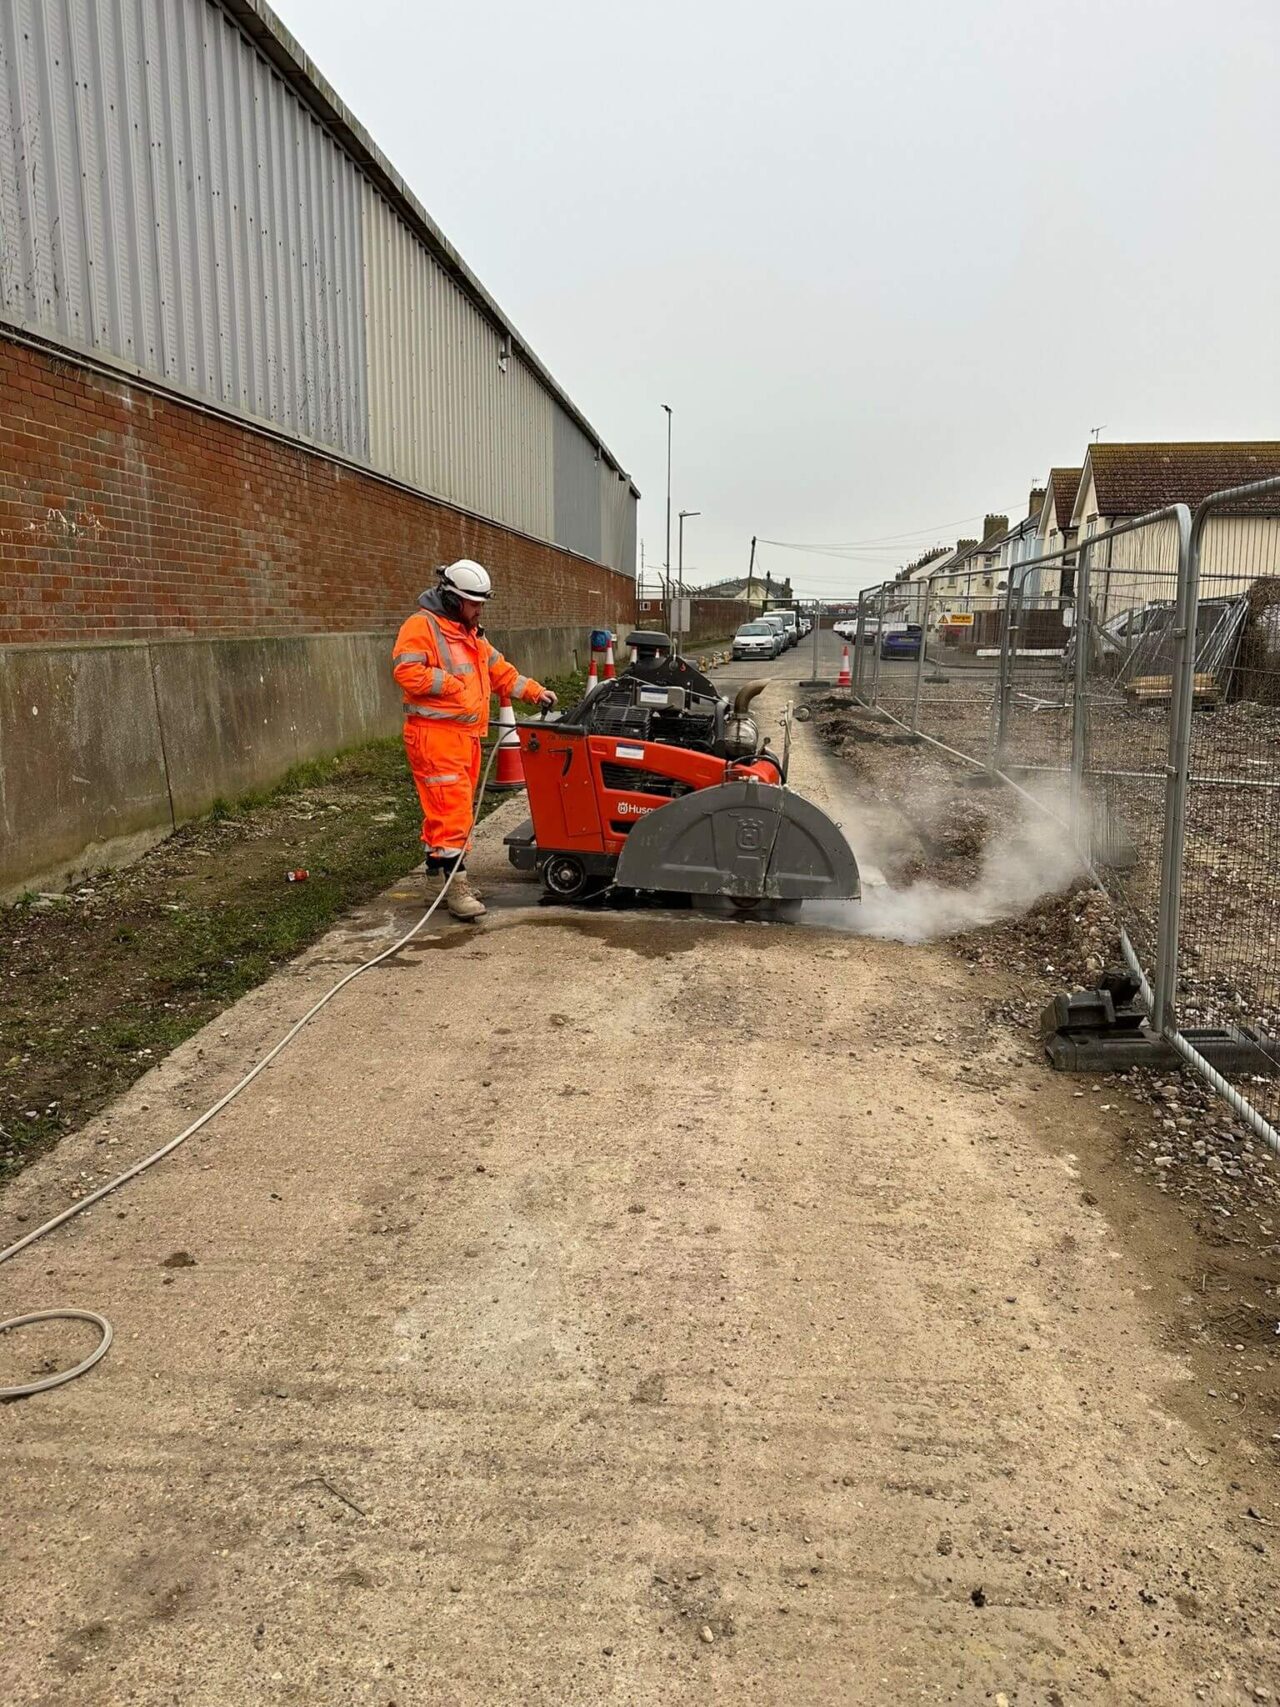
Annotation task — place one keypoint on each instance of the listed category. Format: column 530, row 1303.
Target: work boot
column 461, row 900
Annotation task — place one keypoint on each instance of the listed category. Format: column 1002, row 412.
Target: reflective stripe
column 438, row 679
column 451, row 777
column 464, row 670
column 411, row 658
column 521, row 683
column 441, row 716
column 443, row 649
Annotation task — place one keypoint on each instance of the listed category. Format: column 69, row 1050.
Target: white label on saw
column 622, row 752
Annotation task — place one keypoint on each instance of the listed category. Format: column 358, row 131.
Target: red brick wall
column 126, row 514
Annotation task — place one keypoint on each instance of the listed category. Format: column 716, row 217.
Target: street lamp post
column 667, row 560
column 680, row 563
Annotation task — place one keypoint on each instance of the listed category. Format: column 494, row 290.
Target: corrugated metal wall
column 170, row 203
column 168, row 200
column 447, row 412
column 617, row 517
column 578, row 469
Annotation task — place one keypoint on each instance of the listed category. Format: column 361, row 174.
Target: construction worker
column 447, row 670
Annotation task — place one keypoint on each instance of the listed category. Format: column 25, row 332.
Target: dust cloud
column 1018, row 865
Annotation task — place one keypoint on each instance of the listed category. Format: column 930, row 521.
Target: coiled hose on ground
column 67, row 1314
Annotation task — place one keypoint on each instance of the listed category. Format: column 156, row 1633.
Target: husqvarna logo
column 628, row 809
column 749, row 836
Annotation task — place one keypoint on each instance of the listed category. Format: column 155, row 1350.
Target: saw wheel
column 564, row 875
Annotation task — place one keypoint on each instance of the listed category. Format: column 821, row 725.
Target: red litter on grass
column 300, row 875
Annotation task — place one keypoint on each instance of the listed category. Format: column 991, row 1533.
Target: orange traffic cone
column 610, row 670
column 593, row 677
column 508, row 772
column 845, row 678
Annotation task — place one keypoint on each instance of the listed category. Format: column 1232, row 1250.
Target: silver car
column 776, row 622
column 757, row 640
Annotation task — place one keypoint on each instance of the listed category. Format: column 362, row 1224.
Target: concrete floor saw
column 655, row 782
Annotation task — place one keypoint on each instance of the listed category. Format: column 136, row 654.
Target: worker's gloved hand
column 547, row 702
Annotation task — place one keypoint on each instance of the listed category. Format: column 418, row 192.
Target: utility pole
column 751, row 575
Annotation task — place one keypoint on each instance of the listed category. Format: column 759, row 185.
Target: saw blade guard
column 745, row 840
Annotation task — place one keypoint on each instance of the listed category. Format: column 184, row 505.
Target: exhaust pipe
column 741, row 732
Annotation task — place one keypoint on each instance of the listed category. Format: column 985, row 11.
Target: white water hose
column 68, row 1314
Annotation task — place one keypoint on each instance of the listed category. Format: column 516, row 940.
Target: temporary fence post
column 1008, row 632
column 1178, row 769
column 1080, row 700
column 858, row 639
column 926, row 590
column 875, row 673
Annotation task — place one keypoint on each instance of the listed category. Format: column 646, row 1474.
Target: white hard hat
column 468, row 579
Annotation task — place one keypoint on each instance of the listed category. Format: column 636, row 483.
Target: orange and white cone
column 593, row 676
column 508, row 772
column 845, row 678
column 610, row 669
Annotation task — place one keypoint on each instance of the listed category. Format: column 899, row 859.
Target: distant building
column 756, row 591
column 966, row 580
column 1055, row 531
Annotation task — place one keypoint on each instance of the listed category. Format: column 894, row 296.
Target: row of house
column 1115, row 484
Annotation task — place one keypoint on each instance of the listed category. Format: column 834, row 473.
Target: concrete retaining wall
column 105, row 748
column 82, row 773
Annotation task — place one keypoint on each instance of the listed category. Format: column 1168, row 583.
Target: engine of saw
column 654, row 781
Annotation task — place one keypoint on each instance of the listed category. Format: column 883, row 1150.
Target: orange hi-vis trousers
column 445, row 764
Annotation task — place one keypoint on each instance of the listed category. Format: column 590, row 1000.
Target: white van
column 790, row 623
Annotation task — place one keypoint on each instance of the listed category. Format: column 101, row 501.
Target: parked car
column 847, row 628
column 757, row 640
column 901, row 642
column 774, row 619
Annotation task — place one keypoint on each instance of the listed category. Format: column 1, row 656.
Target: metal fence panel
column 1228, row 938
column 169, row 202
column 946, row 685
column 1123, row 657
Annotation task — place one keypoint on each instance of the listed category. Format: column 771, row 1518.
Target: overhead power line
column 837, row 546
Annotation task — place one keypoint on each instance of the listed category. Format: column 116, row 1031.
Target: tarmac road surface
column 613, row 1308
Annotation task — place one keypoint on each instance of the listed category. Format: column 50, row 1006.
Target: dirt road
column 624, row 1308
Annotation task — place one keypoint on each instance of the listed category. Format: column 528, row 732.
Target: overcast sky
column 887, row 263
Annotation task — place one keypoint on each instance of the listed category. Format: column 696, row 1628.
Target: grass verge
column 98, row 985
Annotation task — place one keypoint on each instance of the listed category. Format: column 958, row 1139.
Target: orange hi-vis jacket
column 447, row 673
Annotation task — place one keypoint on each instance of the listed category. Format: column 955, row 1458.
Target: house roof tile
column 1064, row 483
column 1132, row 479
